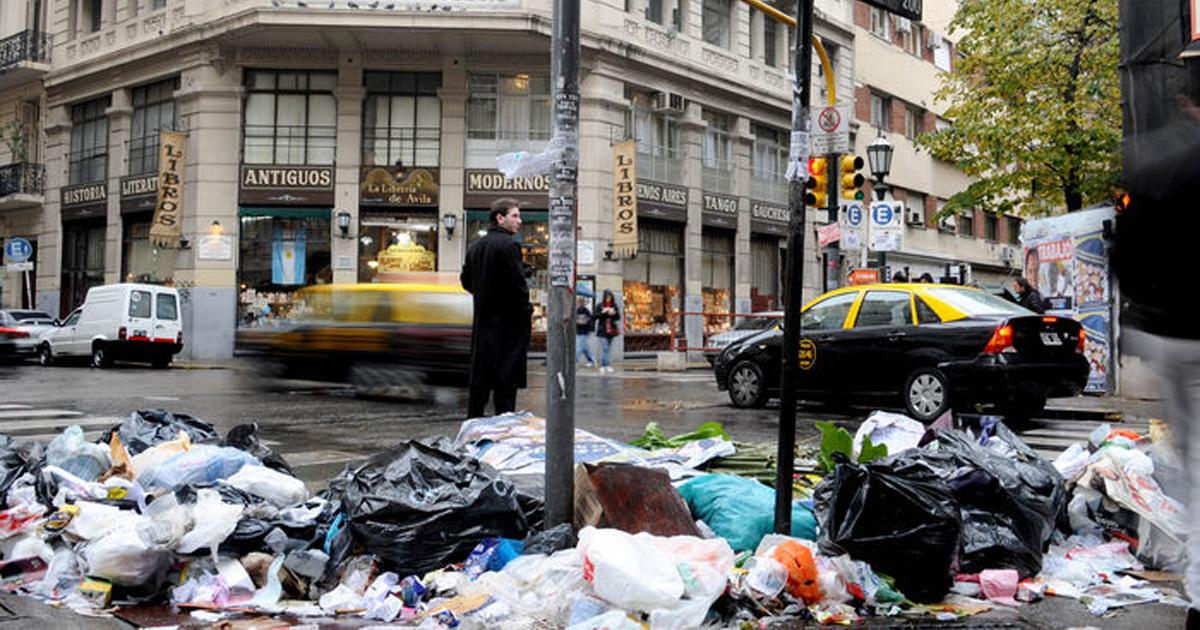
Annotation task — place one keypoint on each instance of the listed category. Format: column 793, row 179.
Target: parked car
column 746, row 327
column 118, row 322
column 32, row 323
column 928, row 347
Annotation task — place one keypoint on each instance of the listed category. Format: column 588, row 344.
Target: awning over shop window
column 285, row 213
column 526, row 215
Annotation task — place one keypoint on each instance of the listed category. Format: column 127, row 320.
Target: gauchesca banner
column 165, row 230
column 625, row 225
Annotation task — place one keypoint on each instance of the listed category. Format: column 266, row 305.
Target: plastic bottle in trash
column 766, row 576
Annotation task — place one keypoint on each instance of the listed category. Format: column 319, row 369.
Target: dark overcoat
column 494, row 275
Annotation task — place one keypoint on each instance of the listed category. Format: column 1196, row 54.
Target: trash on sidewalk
column 741, row 510
column 895, row 431
column 630, row 498
column 146, row 428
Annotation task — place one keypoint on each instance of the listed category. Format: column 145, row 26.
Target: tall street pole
column 560, row 326
column 797, row 173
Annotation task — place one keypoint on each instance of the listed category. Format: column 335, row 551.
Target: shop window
column 764, row 267
column 718, row 162
column 396, row 246
column 717, row 20
column 88, row 158
column 716, row 266
column 402, row 119
column 141, row 260
column 652, row 286
column 508, row 106
column 153, row 111
column 659, row 140
column 290, row 117
column 280, row 251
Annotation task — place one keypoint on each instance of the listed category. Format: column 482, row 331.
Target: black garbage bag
column 245, row 437
column 551, row 540
column 421, row 505
column 896, row 514
column 1010, row 497
column 148, row 427
column 16, row 459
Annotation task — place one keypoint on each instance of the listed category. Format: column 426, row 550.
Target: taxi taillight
column 1082, row 341
column 1001, row 341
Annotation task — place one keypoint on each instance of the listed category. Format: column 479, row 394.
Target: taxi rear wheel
column 927, row 394
column 746, row 385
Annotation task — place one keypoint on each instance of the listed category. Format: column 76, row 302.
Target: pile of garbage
column 903, row 521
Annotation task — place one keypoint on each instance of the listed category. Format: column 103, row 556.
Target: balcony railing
column 30, row 46
column 22, row 179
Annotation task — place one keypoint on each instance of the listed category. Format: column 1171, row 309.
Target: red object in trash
column 802, row 571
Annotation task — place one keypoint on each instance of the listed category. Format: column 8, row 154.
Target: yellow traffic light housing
column 852, row 181
column 817, row 195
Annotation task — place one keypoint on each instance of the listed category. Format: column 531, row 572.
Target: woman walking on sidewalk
column 608, row 326
column 583, row 332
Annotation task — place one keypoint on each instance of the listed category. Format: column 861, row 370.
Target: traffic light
column 818, row 183
column 852, row 180
column 1122, row 201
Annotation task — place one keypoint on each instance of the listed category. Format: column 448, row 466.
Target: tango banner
column 165, row 229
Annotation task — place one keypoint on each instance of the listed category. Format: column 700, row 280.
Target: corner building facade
column 344, row 144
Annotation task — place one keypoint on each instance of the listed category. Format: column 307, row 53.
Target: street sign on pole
column 20, row 266
column 852, row 219
column 831, row 131
column 910, row 9
column 887, row 226
column 17, row 250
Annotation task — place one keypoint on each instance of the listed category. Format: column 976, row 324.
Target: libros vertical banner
column 625, row 225
column 165, row 230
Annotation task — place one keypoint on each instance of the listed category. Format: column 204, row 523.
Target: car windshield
column 976, row 303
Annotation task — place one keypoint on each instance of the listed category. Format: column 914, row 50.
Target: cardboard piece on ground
column 632, row 499
column 1154, row 576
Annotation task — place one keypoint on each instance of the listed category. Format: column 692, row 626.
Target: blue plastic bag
column 199, row 464
column 741, row 510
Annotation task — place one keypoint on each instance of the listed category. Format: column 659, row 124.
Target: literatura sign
column 910, row 9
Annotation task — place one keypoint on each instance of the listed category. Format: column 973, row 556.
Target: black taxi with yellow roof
column 927, row 347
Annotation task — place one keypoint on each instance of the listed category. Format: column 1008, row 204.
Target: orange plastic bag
column 802, row 570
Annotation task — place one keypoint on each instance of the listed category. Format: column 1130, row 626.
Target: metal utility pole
column 560, row 326
column 797, row 173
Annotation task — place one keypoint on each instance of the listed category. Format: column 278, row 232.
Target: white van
column 119, row 322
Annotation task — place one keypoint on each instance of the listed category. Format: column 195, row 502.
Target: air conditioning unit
column 948, row 224
column 934, row 41
column 668, row 103
column 916, row 216
column 1008, row 253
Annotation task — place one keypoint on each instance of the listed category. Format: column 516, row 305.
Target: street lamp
column 343, row 223
column 879, row 154
column 450, row 221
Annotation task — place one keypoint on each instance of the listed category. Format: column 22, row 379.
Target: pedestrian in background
column 608, row 327
column 583, row 331
column 1030, row 297
column 926, row 278
column 494, row 276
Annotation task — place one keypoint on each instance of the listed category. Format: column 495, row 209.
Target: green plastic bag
column 742, row 510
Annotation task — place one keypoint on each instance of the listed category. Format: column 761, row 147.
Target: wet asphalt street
column 321, row 428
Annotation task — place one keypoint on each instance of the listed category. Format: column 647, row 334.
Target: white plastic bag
column 524, row 163
column 1071, row 462
column 280, row 489
column 199, row 464
column 122, row 557
column 897, row 431
column 96, row 520
column 214, row 522
column 146, row 460
column 71, row 452
column 628, row 570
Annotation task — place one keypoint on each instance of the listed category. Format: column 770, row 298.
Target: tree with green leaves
column 1034, row 105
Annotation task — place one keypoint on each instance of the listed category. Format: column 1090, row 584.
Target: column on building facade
column 692, row 127
column 743, row 146
column 209, row 109
column 49, row 258
column 349, row 94
column 601, row 121
column 453, row 96
column 120, row 116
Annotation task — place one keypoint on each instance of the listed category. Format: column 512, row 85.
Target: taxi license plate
column 1051, row 339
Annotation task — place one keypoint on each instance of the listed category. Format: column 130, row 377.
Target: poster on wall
column 1050, row 268
column 1092, row 297
column 287, row 260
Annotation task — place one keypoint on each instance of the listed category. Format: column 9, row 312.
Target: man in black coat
column 1030, row 297
column 494, row 275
